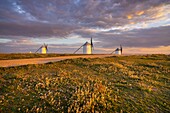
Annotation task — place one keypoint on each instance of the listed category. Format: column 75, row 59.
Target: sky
column 140, row 26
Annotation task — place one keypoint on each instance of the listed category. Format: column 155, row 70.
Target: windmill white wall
column 118, row 52
column 87, row 48
column 43, row 50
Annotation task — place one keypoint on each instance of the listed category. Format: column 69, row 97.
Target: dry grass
column 31, row 55
column 115, row 84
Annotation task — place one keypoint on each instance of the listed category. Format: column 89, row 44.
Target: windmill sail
column 38, row 49
column 78, row 49
column 121, row 49
column 46, row 47
column 112, row 52
column 92, row 46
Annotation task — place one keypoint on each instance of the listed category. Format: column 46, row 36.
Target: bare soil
column 18, row 62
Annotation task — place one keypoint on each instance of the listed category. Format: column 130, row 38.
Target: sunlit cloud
column 73, row 39
column 130, row 16
column 72, row 22
column 139, row 13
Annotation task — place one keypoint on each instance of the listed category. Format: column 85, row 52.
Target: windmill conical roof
column 118, row 49
column 86, row 44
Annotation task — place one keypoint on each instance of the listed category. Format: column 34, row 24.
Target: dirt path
column 18, row 62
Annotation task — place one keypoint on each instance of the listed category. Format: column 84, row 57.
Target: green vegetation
column 115, row 84
column 31, row 55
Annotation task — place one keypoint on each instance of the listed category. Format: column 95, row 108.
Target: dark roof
column 118, row 49
column 86, row 44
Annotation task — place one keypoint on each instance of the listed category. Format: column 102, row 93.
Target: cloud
column 134, row 23
column 130, row 16
column 35, row 29
column 139, row 13
column 152, row 37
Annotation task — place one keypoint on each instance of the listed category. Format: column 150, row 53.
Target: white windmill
column 43, row 48
column 118, row 51
column 87, row 47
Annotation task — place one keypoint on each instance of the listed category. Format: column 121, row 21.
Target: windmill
column 87, row 47
column 43, row 48
column 118, row 51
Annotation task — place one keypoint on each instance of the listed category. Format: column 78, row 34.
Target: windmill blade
column 112, row 52
column 38, row 49
column 121, row 49
column 46, row 47
column 78, row 49
column 92, row 46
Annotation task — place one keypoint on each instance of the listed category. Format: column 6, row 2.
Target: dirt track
column 18, row 62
